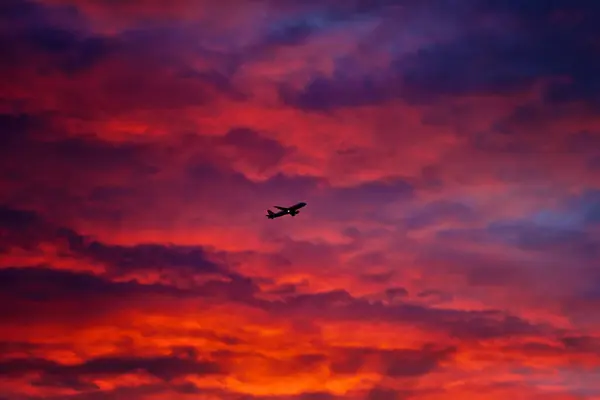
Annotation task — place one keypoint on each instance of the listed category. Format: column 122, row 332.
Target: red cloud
column 449, row 245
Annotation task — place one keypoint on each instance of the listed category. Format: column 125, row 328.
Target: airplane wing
column 281, row 208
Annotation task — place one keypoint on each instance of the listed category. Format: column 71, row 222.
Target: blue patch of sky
column 571, row 219
column 320, row 21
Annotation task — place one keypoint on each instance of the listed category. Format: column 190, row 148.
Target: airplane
column 293, row 210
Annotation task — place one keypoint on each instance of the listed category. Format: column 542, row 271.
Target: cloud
column 393, row 363
column 447, row 152
column 439, row 211
column 118, row 260
column 323, row 94
column 141, row 259
column 75, row 376
column 44, row 295
column 379, row 393
column 54, row 37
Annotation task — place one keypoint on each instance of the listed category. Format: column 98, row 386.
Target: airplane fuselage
column 293, row 210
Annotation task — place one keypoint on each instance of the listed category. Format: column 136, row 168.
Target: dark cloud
column 14, row 128
column 52, row 35
column 581, row 344
column 89, row 150
column 290, row 33
column 581, row 350
column 552, row 39
column 95, row 175
column 530, row 236
column 376, row 277
column 479, row 59
column 39, row 293
column 34, row 294
column 138, row 69
column 22, row 228
column 8, row 348
column 123, row 259
column 479, row 63
column 412, row 363
column 23, row 283
column 461, row 324
column 143, row 391
column 63, row 382
column 382, row 393
column 65, row 170
column 396, row 292
column 45, row 284
column 533, row 237
column 53, row 373
column 316, row 396
column 75, row 53
column 16, row 8
column 35, row 287
column 588, row 204
column 128, row 391
column 30, row 13
column 163, row 367
column 175, row 261
column 327, row 94
column 15, row 219
column 396, row 363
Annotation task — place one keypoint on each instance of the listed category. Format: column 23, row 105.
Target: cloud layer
column 449, row 154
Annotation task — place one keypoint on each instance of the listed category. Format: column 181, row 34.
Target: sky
column 448, row 152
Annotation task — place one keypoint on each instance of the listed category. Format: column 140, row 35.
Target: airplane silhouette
column 293, row 210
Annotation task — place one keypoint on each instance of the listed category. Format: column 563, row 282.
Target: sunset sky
column 448, row 151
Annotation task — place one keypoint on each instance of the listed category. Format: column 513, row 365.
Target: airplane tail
column 270, row 214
